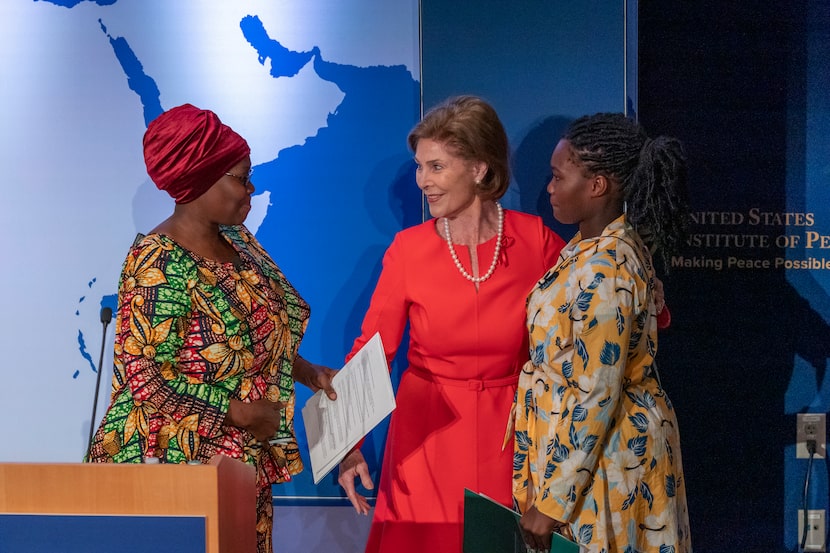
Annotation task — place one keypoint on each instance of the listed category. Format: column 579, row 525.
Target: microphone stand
column 106, row 317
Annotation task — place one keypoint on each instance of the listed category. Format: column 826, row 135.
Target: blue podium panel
column 102, row 534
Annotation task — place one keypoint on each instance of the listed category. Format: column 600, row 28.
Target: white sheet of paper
column 364, row 398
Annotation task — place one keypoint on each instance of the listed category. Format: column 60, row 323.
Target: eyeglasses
column 245, row 180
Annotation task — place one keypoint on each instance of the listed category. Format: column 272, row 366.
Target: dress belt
column 469, row 383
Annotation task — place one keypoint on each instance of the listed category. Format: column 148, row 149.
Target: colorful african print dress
column 191, row 335
column 596, row 440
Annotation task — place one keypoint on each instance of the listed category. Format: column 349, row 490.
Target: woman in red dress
column 460, row 280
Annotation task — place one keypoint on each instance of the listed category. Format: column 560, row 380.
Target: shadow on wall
column 531, row 171
column 727, row 363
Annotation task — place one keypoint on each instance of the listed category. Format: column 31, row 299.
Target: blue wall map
column 326, row 114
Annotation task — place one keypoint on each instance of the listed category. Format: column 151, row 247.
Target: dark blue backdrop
column 745, row 87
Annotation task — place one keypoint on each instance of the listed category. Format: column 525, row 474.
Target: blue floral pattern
column 596, row 438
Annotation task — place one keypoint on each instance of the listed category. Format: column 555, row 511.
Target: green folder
column 490, row 527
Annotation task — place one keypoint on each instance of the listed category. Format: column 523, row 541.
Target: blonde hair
column 471, row 129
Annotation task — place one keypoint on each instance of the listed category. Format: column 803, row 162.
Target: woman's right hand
column 261, row 417
column 537, row 529
column 352, row 466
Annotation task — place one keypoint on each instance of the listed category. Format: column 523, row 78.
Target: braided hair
column 651, row 175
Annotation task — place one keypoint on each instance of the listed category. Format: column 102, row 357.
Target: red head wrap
column 187, row 149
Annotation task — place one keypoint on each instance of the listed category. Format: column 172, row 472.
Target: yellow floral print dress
column 596, row 438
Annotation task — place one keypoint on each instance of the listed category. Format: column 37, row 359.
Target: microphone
column 106, row 317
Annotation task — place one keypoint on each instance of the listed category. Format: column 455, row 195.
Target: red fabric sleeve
column 389, row 307
column 664, row 318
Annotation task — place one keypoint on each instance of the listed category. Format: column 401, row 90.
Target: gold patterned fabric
column 596, row 438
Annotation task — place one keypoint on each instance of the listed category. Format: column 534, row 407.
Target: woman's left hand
column 537, row 529
column 316, row 377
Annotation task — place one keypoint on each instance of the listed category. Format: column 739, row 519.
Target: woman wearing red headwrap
column 207, row 327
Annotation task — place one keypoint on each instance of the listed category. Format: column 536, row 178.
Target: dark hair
column 470, row 127
column 651, row 175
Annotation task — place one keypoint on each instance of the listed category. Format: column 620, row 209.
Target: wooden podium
column 219, row 496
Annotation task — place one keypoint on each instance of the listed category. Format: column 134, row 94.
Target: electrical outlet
column 816, row 535
column 810, row 426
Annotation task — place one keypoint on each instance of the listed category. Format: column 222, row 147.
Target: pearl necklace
column 492, row 268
